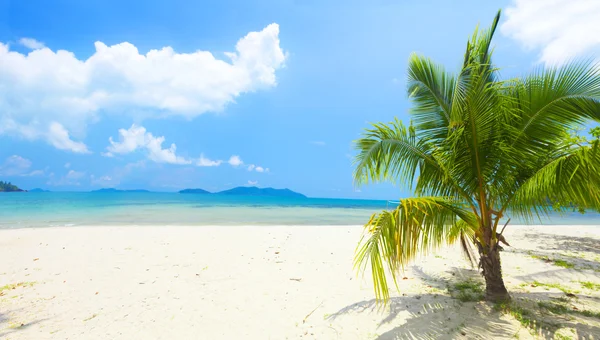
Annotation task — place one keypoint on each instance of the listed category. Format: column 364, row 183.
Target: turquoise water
column 23, row 210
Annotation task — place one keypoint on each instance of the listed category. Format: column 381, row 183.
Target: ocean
column 50, row 209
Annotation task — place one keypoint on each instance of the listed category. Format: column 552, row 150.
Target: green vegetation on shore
column 9, row 187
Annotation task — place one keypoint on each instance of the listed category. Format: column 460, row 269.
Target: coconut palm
column 478, row 151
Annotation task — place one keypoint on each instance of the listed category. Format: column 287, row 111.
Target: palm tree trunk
column 495, row 290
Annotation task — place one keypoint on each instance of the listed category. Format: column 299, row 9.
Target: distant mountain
column 38, row 190
column 254, row 191
column 110, row 190
column 194, row 191
column 8, row 187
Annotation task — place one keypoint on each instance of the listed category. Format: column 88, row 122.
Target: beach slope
column 276, row 282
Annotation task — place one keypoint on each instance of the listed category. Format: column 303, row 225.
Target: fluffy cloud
column 136, row 137
column 16, row 165
column 203, row 161
column 53, row 95
column 54, row 133
column 59, row 137
column 235, row 161
column 252, row 182
column 31, row 43
column 562, row 29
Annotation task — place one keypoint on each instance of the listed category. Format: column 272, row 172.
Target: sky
column 166, row 95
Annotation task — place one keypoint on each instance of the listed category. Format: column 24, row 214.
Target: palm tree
column 478, row 149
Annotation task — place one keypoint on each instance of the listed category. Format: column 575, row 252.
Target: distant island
column 194, row 191
column 38, row 190
column 248, row 191
column 111, row 190
column 9, row 187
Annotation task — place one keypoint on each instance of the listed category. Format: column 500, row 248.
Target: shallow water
column 23, row 210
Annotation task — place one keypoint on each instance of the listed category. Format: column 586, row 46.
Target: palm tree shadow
column 7, row 329
column 433, row 316
column 552, row 242
column 550, row 256
column 442, row 281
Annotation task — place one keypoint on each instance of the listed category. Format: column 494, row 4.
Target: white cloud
column 46, row 86
column 561, row 29
column 35, row 173
column 160, row 155
column 72, row 174
column 15, row 165
column 256, row 168
column 67, row 165
column 103, row 181
column 319, row 143
column 252, row 182
column 235, row 161
column 71, row 178
column 130, row 139
column 59, row 137
column 31, row 43
column 203, row 161
column 54, row 133
column 136, row 137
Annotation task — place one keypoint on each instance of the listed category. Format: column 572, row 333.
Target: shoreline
column 347, row 225
column 268, row 281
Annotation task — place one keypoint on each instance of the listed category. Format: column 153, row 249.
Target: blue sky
column 279, row 107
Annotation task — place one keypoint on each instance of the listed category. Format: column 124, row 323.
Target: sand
column 276, row 282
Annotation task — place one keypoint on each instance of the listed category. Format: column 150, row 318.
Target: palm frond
column 392, row 152
column 552, row 101
column 431, row 90
column 570, row 178
column 416, row 226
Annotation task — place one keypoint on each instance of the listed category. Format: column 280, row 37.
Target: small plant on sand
column 468, row 291
column 558, row 262
column 478, row 149
column 558, row 286
column 520, row 314
column 526, row 317
column 559, row 336
column 561, row 308
column 589, row 313
column 563, row 263
column 12, row 286
column 590, row 285
column 554, row 307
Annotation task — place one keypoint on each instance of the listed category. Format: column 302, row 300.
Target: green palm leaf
column 416, row 226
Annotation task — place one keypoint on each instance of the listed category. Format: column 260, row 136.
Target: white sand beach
column 277, row 282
